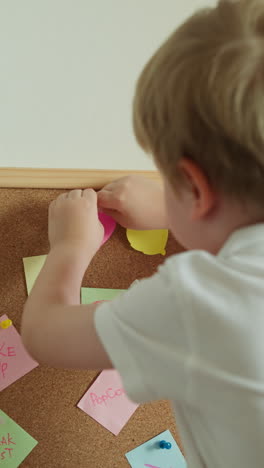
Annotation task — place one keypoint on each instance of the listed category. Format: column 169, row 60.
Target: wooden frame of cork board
column 44, row 401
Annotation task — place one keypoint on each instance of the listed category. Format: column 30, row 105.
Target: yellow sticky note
column 32, row 267
column 149, row 242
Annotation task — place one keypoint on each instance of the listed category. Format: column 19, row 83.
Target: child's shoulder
column 235, row 274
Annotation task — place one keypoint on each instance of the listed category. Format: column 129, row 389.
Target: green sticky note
column 89, row 295
column 32, row 267
column 15, row 443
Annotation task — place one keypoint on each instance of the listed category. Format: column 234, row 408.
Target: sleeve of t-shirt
column 144, row 334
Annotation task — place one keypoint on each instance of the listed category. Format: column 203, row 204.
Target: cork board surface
column 44, row 401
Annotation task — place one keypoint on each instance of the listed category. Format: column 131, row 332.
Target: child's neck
column 228, row 217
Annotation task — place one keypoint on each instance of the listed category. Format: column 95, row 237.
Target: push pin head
column 165, row 445
column 6, row 323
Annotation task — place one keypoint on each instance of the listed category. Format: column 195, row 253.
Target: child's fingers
column 73, row 194
column 51, row 207
column 116, row 215
column 90, row 194
column 111, row 186
column 107, row 199
column 62, row 196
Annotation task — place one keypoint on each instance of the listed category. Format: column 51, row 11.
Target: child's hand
column 135, row 203
column 73, row 221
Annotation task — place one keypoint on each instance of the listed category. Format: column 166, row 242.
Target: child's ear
column 202, row 193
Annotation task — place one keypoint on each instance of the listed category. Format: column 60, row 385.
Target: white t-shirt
column 194, row 333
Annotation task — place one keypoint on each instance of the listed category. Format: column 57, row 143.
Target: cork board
column 44, row 401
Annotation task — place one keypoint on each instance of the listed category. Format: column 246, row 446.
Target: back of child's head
column 202, row 96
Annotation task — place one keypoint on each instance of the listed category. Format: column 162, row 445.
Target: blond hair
column 202, row 96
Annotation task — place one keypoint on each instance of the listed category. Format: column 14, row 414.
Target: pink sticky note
column 14, row 359
column 107, row 403
column 109, row 225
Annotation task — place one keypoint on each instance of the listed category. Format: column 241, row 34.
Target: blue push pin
column 165, row 445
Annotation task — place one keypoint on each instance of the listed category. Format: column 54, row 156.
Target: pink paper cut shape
column 109, row 225
column 106, row 402
column 14, row 359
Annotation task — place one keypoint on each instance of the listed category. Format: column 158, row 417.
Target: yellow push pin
column 6, row 324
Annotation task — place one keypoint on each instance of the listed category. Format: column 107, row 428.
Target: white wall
column 67, row 75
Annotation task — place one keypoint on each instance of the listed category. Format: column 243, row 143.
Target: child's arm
column 56, row 329
column 135, row 203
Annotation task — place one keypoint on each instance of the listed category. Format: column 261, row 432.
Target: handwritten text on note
column 14, row 359
column 106, row 402
column 6, row 446
column 15, row 443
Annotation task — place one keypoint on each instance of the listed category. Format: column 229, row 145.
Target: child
column 194, row 332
